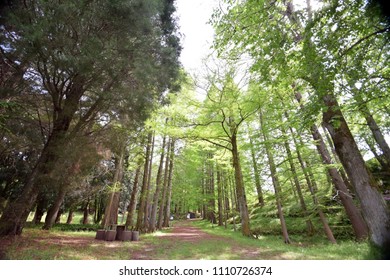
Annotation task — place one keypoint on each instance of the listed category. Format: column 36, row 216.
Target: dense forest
column 283, row 131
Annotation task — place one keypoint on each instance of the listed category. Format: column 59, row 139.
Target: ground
column 184, row 240
column 185, row 235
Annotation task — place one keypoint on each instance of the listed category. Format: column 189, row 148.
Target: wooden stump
column 100, row 234
column 135, row 236
column 126, row 236
column 110, row 235
column 119, row 232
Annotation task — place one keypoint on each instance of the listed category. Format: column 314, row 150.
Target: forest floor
column 184, row 240
column 190, row 242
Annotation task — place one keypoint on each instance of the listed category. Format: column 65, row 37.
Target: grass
column 302, row 247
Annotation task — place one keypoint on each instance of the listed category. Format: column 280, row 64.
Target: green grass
column 302, row 247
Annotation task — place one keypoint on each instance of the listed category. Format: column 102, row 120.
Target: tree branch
column 383, row 30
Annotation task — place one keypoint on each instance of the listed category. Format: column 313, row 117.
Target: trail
column 186, row 241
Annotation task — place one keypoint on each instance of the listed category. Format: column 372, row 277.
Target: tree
column 140, row 226
column 225, row 109
column 275, row 180
column 86, row 58
column 311, row 50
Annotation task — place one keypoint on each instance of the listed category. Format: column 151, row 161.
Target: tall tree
column 140, row 226
column 275, row 180
column 86, row 58
column 157, row 193
column 327, row 43
column 167, row 207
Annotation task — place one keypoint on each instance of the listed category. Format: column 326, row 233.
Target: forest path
column 186, row 241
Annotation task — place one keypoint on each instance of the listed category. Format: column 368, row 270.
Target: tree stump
column 110, row 235
column 135, row 236
column 100, row 234
column 119, row 232
column 126, row 236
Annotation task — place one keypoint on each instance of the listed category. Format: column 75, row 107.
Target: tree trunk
column 358, row 224
column 275, row 181
column 376, row 131
column 256, row 174
column 133, row 200
column 374, row 208
column 148, row 190
column 111, row 212
column 210, row 189
column 165, row 188
column 336, row 158
column 220, row 198
column 99, row 208
column 140, row 226
column 59, row 214
column 225, row 198
column 70, row 216
column 85, row 213
column 204, row 191
column 240, row 188
column 167, row 214
column 372, row 147
column 309, row 224
column 15, row 215
column 232, row 198
column 313, row 189
column 53, row 211
column 311, row 184
column 40, row 210
column 153, row 216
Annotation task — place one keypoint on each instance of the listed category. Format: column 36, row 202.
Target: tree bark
column 256, row 174
column 240, row 188
column 309, row 224
column 40, row 209
column 353, row 213
column 111, row 212
column 15, row 215
column 167, row 209
column 375, row 130
column 374, row 208
column 133, row 200
column 275, row 181
column 86, row 213
column 53, row 211
column 148, row 190
column 372, row 147
column 336, row 159
column 153, row 216
column 210, row 189
column 312, row 186
column 70, row 216
column 220, row 198
column 165, row 188
column 140, row 226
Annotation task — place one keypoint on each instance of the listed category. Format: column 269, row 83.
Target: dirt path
column 199, row 245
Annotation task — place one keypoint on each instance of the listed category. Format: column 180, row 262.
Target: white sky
column 197, row 34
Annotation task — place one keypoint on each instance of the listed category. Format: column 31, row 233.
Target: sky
column 193, row 16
